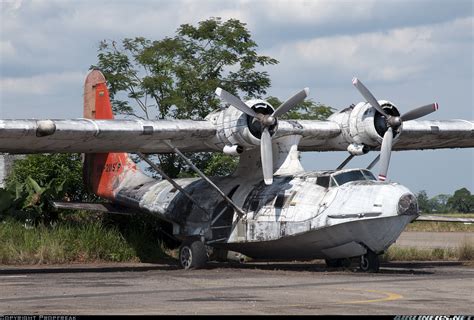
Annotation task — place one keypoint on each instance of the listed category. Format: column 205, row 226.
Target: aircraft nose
column 407, row 205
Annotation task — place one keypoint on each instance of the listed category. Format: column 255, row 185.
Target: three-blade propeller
column 393, row 123
column 266, row 121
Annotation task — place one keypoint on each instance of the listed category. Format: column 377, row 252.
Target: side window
column 333, row 182
column 283, row 201
column 323, row 181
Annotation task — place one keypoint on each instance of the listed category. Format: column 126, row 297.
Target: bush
column 37, row 180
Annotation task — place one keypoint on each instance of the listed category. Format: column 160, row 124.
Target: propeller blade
column 385, row 152
column 235, row 102
column 368, row 96
column 291, row 102
column 419, row 112
column 266, row 156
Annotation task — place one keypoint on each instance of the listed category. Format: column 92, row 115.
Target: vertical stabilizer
column 103, row 172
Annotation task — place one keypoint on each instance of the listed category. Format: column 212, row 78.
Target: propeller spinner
column 393, row 123
column 266, row 121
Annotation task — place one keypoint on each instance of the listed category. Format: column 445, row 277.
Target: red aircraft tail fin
column 102, row 172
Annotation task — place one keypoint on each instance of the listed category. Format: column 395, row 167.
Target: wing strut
column 177, row 186
column 374, row 162
column 343, row 164
column 239, row 211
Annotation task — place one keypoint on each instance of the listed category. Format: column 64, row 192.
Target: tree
column 307, row 110
column 462, row 201
column 176, row 77
column 439, row 203
column 423, row 201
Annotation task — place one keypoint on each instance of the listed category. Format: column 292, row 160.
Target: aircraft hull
column 343, row 240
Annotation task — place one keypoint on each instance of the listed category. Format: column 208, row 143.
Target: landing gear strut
column 369, row 262
column 192, row 254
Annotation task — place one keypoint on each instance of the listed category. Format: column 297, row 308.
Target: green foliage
column 423, row 201
column 462, row 201
column 307, row 110
column 176, row 77
column 36, row 180
column 439, row 203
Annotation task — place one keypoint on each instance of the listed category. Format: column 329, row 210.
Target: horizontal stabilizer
column 99, row 207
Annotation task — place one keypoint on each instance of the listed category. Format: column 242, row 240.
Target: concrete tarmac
column 250, row 288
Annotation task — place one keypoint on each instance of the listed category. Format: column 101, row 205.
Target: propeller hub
column 394, row 122
column 268, row 121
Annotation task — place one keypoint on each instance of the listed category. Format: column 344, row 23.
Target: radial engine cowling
column 367, row 126
column 236, row 128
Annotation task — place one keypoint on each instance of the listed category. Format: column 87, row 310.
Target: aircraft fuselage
column 320, row 214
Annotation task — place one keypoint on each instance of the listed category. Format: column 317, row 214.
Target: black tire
column 192, row 255
column 369, row 262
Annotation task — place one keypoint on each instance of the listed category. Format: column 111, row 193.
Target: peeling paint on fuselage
column 285, row 219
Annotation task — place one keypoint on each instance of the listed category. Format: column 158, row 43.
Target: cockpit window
column 368, row 175
column 355, row 175
column 323, row 181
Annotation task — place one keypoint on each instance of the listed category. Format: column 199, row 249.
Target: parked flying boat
column 269, row 207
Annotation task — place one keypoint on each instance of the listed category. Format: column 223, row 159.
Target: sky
column 411, row 52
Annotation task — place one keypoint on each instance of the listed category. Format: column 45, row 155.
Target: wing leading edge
column 92, row 136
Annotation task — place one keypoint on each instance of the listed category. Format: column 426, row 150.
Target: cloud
column 6, row 49
column 41, row 84
column 388, row 56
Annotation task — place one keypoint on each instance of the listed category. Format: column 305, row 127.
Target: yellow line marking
column 389, row 296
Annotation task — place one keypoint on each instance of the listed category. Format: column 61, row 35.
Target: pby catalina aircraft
column 269, row 207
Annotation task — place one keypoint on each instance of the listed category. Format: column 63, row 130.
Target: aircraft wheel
column 192, row 255
column 369, row 262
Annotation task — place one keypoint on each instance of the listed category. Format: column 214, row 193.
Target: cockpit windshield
column 339, row 178
column 354, row 175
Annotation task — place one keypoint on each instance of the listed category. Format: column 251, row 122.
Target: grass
column 465, row 252
column 432, row 226
column 72, row 243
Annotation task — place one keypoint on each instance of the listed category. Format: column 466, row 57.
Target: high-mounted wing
column 436, row 135
column 360, row 127
column 92, row 136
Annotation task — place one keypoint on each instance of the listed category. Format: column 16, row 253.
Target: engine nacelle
column 235, row 128
column 363, row 125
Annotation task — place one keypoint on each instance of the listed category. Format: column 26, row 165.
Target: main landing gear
column 192, row 254
column 369, row 262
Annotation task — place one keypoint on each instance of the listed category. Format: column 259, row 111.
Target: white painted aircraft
column 269, row 207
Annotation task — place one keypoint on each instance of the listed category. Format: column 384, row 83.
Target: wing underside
column 95, row 136
column 436, row 135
